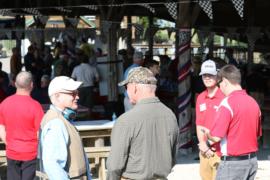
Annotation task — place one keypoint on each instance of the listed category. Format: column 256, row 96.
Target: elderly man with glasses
column 61, row 152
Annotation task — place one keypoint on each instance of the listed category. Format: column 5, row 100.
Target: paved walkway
column 188, row 169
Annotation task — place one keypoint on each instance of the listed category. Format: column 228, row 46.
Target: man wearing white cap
column 61, row 151
column 206, row 105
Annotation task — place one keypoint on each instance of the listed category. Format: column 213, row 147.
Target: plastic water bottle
column 114, row 116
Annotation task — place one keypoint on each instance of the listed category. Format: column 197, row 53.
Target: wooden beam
column 151, row 37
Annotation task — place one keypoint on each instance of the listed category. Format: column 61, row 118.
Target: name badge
column 202, row 107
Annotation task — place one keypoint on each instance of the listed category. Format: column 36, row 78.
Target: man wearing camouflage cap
column 143, row 140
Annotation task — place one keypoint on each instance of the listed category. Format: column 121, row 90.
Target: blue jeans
column 237, row 170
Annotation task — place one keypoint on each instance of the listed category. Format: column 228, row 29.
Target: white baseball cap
column 208, row 67
column 62, row 84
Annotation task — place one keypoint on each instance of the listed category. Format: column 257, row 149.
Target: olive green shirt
column 143, row 142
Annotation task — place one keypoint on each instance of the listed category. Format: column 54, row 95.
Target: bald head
column 24, row 81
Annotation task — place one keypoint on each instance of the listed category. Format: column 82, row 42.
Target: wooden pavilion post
column 183, row 56
column 251, row 45
column 129, row 36
column 40, row 26
column 150, row 37
column 19, row 40
column 112, row 15
column 112, row 57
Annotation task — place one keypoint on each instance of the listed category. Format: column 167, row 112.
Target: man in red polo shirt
column 20, row 118
column 206, row 106
column 237, row 126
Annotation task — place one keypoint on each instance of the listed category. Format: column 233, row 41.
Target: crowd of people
column 144, row 138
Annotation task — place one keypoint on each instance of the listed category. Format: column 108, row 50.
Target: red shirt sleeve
column 199, row 119
column 221, row 122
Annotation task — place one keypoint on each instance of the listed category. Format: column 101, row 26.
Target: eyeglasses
column 208, row 76
column 72, row 93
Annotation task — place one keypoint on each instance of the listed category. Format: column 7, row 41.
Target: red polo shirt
column 238, row 124
column 206, row 108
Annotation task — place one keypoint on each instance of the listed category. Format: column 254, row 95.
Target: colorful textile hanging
column 172, row 9
column 239, row 6
column 206, row 5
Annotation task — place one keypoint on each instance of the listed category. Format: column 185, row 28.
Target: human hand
column 209, row 153
column 203, row 147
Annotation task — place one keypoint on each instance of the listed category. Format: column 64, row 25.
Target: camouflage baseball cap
column 139, row 75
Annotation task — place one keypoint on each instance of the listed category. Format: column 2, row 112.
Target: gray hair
column 148, row 87
column 24, row 80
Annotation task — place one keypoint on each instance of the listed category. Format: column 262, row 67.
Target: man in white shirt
column 88, row 75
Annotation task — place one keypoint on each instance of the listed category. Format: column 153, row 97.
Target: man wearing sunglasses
column 61, row 150
column 237, row 127
column 206, row 106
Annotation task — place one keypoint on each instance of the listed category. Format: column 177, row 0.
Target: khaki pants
column 208, row 167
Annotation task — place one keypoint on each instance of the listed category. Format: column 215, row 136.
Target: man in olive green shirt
column 144, row 139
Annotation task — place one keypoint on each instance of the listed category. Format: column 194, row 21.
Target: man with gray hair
column 137, row 62
column 143, row 140
column 20, row 118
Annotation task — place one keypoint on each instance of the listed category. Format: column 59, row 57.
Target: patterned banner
column 150, row 8
column 7, row 12
column 172, row 9
column 32, row 11
column 239, row 6
column 92, row 7
column 64, row 10
column 206, row 5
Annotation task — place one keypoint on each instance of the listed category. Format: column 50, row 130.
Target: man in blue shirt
column 61, row 151
column 137, row 61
